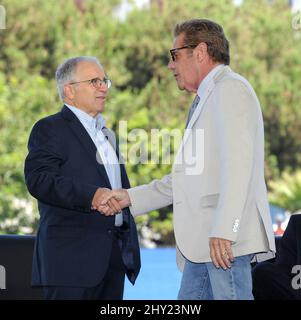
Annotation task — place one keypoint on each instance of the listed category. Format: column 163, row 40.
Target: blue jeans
column 203, row 281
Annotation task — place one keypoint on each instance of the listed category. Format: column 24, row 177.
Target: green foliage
column 286, row 191
column 41, row 34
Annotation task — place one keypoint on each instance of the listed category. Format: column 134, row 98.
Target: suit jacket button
column 235, row 225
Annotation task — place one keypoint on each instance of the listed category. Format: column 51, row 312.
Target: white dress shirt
column 105, row 152
column 204, row 83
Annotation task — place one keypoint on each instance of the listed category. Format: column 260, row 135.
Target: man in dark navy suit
column 72, row 162
column 281, row 280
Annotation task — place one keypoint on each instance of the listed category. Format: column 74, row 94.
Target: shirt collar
column 89, row 122
column 205, row 82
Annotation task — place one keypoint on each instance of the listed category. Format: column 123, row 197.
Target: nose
column 171, row 64
column 103, row 87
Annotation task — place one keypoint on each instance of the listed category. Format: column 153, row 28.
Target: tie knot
column 99, row 122
column 196, row 101
column 192, row 108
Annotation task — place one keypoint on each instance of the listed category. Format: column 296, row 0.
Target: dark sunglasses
column 173, row 52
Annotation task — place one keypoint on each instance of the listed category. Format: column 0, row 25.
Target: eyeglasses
column 97, row 82
column 173, row 52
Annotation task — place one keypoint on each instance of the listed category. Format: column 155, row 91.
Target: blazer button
column 109, row 231
column 235, row 225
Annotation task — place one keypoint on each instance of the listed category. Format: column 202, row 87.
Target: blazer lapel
column 86, row 141
column 111, row 137
column 202, row 102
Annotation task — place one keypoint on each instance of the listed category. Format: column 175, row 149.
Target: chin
column 100, row 108
column 180, row 85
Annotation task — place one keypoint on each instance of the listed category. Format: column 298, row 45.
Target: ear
column 69, row 91
column 201, row 51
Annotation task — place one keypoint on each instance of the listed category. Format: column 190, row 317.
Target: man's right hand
column 109, row 199
column 111, row 205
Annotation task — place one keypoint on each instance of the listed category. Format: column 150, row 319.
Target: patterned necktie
column 192, row 108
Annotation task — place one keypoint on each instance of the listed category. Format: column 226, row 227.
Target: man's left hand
column 221, row 252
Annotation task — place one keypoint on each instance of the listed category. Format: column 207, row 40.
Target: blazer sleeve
column 237, row 118
column 152, row 196
column 42, row 172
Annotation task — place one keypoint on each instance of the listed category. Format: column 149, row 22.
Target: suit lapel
column 86, row 141
column 196, row 114
column 202, row 102
column 124, row 178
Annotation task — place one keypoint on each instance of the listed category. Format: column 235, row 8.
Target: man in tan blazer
column 217, row 188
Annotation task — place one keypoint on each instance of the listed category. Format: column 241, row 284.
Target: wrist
column 128, row 198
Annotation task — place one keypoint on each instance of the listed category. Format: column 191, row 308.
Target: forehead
column 89, row 70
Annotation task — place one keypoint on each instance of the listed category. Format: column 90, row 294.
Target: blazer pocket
column 210, row 200
column 57, row 231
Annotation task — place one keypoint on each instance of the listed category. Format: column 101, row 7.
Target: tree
column 42, row 34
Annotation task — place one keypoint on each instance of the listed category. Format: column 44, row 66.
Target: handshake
column 110, row 202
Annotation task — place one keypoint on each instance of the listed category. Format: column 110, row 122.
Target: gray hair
column 65, row 72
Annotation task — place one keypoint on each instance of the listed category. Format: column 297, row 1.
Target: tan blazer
column 223, row 194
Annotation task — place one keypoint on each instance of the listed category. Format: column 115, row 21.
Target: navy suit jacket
column 289, row 253
column 73, row 243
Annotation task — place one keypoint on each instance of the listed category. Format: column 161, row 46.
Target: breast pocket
column 210, row 200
